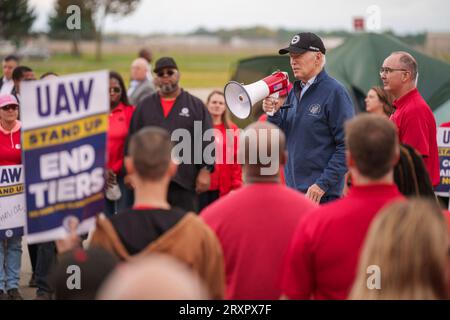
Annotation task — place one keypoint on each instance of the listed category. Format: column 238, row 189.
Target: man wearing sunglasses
column 173, row 108
column 413, row 117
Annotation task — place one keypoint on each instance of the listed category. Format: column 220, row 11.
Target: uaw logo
column 184, row 112
column 314, row 109
column 295, row 39
column 9, row 233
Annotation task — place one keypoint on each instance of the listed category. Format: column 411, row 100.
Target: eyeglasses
column 390, row 70
column 10, row 107
column 115, row 90
column 161, row 74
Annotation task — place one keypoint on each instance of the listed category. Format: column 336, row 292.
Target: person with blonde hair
column 408, row 244
column 153, row 277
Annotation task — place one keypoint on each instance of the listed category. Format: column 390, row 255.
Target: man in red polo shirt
column 255, row 223
column 323, row 257
column 413, row 117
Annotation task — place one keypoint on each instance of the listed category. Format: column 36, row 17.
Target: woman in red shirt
column 10, row 243
column 226, row 176
column 119, row 122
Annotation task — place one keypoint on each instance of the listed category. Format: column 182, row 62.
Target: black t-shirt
column 138, row 228
column 188, row 113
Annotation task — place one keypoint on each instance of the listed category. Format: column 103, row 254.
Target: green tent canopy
column 356, row 65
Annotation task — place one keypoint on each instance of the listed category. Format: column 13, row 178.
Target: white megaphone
column 240, row 98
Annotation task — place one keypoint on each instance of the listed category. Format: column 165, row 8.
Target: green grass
column 197, row 69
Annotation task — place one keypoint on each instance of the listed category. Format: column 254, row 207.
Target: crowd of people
column 349, row 213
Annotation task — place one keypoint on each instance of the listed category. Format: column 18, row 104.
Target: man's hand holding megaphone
column 271, row 104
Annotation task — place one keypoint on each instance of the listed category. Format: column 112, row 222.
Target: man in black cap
column 173, row 108
column 314, row 125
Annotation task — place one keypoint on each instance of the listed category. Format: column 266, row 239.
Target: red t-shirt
column 167, row 105
column 417, row 127
column 226, row 176
column 10, row 147
column 446, row 125
column 119, row 123
column 255, row 225
column 323, row 257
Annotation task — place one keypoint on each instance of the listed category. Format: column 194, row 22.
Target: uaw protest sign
column 443, row 140
column 64, row 123
column 12, row 201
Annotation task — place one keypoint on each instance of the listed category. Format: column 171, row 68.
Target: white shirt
column 307, row 85
column 7, row 86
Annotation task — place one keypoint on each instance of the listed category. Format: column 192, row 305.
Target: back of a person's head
column 11, row 57
column 372, row 143
column 146, row 53
column 407, row 244
column 261, row 149
column 150, row 150
column 411, row 175
column 80, row 273
column 19, row 72
column 153, row 277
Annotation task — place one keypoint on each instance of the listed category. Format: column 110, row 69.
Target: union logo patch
column 314, row 109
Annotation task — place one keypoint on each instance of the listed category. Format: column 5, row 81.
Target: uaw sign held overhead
column 65, row 121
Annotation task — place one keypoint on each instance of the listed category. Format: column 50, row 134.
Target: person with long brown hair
column 408, row 243
column 226, row 176
column 379, row 102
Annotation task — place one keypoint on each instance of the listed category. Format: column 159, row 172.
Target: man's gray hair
column 409, row 63
column 324, row 60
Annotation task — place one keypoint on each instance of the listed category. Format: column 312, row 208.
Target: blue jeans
column 10, row 263
column 125, row 202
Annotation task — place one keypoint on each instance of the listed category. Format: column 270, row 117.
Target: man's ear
column 318, row 58
column 405, row 77
column 349, row 159
column 396, row 156
column 172, row 169
column 129, row 165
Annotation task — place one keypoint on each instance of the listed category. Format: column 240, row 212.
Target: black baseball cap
column 165, row 62
column 302, row 42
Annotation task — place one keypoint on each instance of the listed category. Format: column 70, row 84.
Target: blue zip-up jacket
column 314, row 129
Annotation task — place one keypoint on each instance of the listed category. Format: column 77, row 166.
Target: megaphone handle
column 273, row 96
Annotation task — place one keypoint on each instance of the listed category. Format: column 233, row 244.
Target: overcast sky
column 402, row 16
